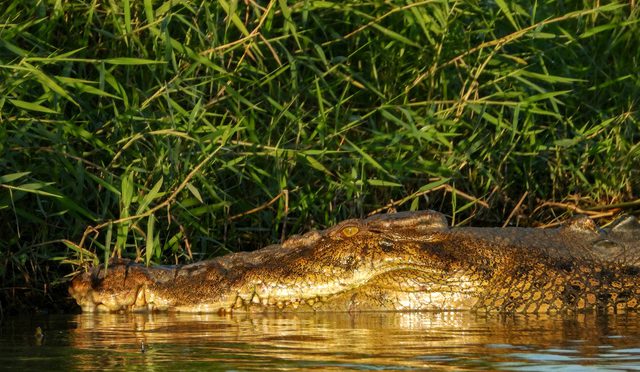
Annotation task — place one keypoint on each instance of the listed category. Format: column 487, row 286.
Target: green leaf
column 104, row 184
column 34, row 188
column 368, row 158
column 394, row 35
column 194, row 192
column 567, row 142
column 131, row 61
column 13, row 176
column 32, row 106
column 14, row 48
column 69, row 204
column 602, row 28
column 433, row 185
column 549, row 78
column 127, row 16
column 316, row 164
column 47, row 82
column 148, row 10
column 80, row 250
column 507, row 12
column 289, row 25
column 126, row 193
column 150, row 241
column 121, row 238
column 383, row 183
column 233, row 17
column 107, row 244
column 153, row 194
column 544, row 96
column 85, row 88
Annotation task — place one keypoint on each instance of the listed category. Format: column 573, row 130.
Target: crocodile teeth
column 239, row 303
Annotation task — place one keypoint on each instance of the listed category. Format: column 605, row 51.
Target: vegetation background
column 172, row 131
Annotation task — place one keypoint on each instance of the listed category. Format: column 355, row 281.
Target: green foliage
column 178, row 130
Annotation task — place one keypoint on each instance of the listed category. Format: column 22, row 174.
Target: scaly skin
column 408, row 261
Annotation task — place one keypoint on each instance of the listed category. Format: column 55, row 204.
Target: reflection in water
column 337, row 341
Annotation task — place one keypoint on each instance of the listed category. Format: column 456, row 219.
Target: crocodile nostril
column 386, row 245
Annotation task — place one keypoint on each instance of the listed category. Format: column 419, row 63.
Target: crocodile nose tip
column 79, row 286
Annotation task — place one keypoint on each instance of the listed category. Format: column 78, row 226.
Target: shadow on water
column 326, row 341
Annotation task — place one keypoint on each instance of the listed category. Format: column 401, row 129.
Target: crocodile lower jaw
column 397, row 289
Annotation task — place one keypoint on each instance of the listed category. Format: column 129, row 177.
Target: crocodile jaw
column 392, row 288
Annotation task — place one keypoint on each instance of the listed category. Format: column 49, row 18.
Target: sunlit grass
column 179, row 130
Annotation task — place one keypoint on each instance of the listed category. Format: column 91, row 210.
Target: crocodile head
column 385, row 262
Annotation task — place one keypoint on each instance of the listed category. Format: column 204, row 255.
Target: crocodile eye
column 350, row 231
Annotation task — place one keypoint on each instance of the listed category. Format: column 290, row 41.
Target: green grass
column 180, row 130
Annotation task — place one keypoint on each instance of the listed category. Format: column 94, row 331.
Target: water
column 364, row 341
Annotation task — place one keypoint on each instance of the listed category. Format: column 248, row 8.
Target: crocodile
column 405, row 261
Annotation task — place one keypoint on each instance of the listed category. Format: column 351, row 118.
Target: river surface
column 363, row 341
